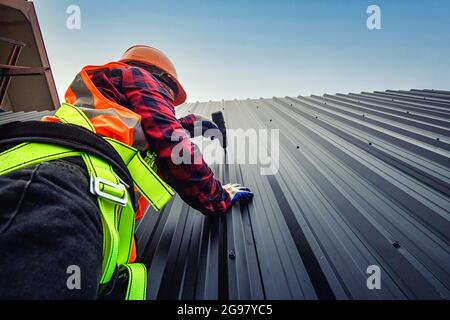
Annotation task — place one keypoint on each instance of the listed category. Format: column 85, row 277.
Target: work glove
column 209, row 129
column 201, row 127
column 238, row 193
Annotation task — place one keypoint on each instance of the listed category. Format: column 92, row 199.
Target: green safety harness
column 114, row 201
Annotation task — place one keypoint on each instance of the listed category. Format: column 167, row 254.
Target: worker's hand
column 202, row 126
column 208, row 128
column 238, row 193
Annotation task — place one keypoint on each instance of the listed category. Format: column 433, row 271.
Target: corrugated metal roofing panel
column 363, row 180
column 7, row 116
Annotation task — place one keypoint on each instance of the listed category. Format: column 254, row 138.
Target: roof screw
column 270, row 120
column 317, row 117
column 364, row 115
column 370, row 143
column 396, row 244
column 438, row 139
column 298, row 147
column 407, row 112
column 232, row 254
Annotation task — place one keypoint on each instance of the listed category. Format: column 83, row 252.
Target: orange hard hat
column 153, row 57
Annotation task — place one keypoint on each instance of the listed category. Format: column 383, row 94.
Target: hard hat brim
column 180, row 94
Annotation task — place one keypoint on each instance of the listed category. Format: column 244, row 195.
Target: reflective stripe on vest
column 108, row 117
column 117, row 215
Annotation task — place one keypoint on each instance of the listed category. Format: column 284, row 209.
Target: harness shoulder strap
column 137, row 284
column 149, row 184
column 70, row 114
column 27, row 154
column 116, row 209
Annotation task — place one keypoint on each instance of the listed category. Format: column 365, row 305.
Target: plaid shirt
column 141, row 92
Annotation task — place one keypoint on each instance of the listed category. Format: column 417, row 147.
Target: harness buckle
column 95, row 189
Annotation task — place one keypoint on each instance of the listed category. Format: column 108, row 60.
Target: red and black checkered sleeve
column 193, row 180
column 188, row 122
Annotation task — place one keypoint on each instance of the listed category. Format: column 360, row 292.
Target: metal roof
column 363, row 180
column 8, row 116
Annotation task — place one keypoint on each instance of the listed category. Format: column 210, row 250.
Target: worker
column 72, row 185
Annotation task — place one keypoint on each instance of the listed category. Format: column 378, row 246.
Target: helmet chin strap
column 168, row 89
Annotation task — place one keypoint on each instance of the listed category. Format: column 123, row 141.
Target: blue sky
column 256, row 48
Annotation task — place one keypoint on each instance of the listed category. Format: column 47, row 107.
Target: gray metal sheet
column 7, row 116
column 363, row 180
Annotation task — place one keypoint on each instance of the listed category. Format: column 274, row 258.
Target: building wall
column 26, row 93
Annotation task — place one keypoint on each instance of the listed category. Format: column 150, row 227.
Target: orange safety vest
column 108, row 118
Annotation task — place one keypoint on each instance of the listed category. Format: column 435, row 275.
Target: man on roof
column 72, row 189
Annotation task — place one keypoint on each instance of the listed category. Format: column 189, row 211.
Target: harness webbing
column 117, row 214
